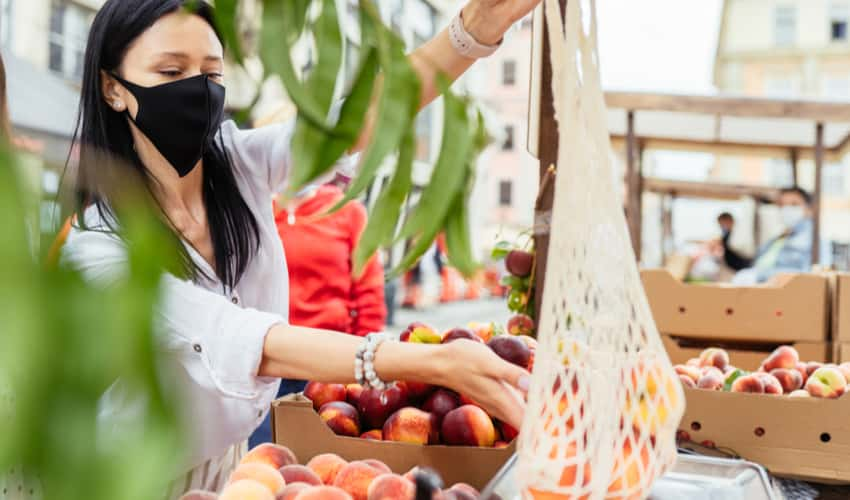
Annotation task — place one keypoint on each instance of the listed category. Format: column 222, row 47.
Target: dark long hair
column 106, row 142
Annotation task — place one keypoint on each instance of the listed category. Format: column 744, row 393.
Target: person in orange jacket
column 323, row 293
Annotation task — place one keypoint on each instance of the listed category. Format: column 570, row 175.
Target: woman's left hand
column 488, row 20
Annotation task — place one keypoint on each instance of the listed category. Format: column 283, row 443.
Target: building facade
column 788, row 49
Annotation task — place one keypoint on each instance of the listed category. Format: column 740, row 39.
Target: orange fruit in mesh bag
column 575, row 476
column 652, row 394
column 633, row 473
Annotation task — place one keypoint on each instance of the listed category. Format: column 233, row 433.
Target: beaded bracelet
column 364, row 362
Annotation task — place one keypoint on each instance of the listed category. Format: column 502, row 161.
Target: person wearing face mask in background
column 791, row 251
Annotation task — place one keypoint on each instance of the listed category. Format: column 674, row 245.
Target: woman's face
column 179, row 45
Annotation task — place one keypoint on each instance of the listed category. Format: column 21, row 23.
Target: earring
column 118, row 105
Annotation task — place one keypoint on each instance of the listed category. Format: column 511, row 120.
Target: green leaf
column 397, row 106
column 383, row 218
column 449, row 170
column 731, row 378
column 347, row 129
column 227, row 22
column 501, row 250
column 282, row 20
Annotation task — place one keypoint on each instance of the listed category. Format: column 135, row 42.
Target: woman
column 152, row 96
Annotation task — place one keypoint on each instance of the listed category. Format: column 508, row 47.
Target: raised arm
column 485, row 20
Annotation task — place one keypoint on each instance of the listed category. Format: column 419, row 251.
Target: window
column 509, row 73
column 6, row 23
column 505, row 192
column 836, row 86
column 833, row 179
column 69, row 24
column 779, row 173
column 781, row 85
column 785, row 25
column 839, row 13
column 508, row 145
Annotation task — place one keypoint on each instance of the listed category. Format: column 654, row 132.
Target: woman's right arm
column 467, row 367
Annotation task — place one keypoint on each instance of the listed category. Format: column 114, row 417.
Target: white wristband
column 465, row 44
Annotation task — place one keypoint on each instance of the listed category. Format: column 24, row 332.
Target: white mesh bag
column 604, row 402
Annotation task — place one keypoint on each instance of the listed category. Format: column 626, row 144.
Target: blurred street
column 445, row 316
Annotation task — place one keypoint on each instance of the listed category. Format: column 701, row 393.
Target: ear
column 113, row 92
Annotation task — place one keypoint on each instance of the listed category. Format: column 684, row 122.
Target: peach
column 265, row 474
column 416, row 391
column 355, row 479
column 291, row 490
column 845, row 370
column 246, row 489
column 342, row 418
column 714, row 356
column 466, row 400
column 748, row 383
column 630, row 468
column 352, row 394
column 507, row 431
column 791, row 380
column 410, row 425
column 692, row 362
column 687, row 382
column 391, row 487
column 501, row 444
column 271, row 454
column 199, row 495
column 783, row 356
column 689, row 371
column 326, row 466
column 300, row 474
column 377, row 464
column 323, row 493
column 440, row 403
column 711, row 379
column 811, row 366
column 799, row 393
column 460, row 333
column 520, row 324
column 468, row 426
column 420, row 333
column 653, row 395
column 826, row 382
column 321, row 394
column 374, row 412
column 511, row 349
column 483, row 330
column 771, row 383
column 801, row 369
column 374, row 435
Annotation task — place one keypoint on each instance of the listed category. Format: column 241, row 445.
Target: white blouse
column 213, row 335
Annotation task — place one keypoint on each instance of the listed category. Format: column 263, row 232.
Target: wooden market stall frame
column 761, row 114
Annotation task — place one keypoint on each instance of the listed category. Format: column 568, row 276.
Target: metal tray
column 693, row 478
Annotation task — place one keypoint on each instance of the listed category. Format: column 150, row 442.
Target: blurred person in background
column 323, row 292
column 733, row 259
column 791, row 250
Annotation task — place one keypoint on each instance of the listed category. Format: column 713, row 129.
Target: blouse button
column 260, row 414
column 197, row 347
column 235, row 300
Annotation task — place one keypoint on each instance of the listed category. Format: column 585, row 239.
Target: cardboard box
column 297, row 426
column 742, row 355
column 841, row 352
column 840, row 291
column 802, row 438
column 792, row 308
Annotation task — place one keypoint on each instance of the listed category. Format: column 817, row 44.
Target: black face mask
column 180, row 118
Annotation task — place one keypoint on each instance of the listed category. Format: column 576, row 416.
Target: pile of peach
column 417, row 413
column 271, row 472
column 780, row 373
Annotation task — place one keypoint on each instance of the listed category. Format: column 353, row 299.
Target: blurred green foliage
column 386, row 78
column 63, row 343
